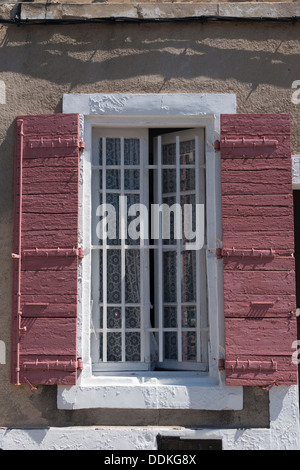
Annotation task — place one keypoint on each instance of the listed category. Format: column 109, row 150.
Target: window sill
column 172, row 390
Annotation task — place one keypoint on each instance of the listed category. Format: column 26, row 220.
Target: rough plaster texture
column 149, row 1
column 151, row 10
column 146, row 11
column 257, row 62
column 283, row 433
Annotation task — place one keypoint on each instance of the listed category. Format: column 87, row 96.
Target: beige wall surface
column 148, row 1
column 258, row 62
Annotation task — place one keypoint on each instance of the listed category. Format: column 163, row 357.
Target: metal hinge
column 47, row 252
column 243, row 142
column 65, row 365
column 68, row 366
column 65, row 142
column 59, row 142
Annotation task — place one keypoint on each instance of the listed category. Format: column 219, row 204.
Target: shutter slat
column 59, row 238
column 45, row 253
column 264, row 239
column 256, row 377
column 46, row 222
column 269, row 263
column 264, row 333
column 256, row 305
column 257, row 211
column 49, row 203
column 256, row 125
column 260, row 282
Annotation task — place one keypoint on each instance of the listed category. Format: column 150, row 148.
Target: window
column 148, row 275
column 145, row 383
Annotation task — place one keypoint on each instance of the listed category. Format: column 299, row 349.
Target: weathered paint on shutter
column 258, row 247
column 45, row 250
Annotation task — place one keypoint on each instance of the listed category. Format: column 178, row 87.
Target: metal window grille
column 128, row 333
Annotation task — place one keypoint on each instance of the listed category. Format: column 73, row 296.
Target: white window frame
column 99, row 367
column 145, row 330
column 198, row 135
column 142, row 389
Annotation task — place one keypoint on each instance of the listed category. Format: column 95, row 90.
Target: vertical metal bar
column 143, row 307
column 123, row 226
column 160, row 251
column 104, row 257
column 146, row 256
column 178, row 254
column 19, row 255
column 198, row 252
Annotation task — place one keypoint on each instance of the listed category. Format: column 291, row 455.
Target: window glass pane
column 113, row 276
column 169, row 154
column 187, row 152
column 187, row 179
column 131, row 151
column 168, row 180
column 113, row 179
column 169, row 276
column 114, row 347
column 168, row 220
column 132, row 276
column 114, row 317
column 170, row 345
column 188, row 267
column 189, row 346
column 189, row 317
column 170, row 317
column 113, row 224
column 132, row 317
column 131, row 179
column 113, row 151
column 132, row 346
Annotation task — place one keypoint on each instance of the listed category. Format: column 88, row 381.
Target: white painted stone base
column 283, row 433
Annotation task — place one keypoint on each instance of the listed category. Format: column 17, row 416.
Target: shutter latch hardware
column 217, row 145
column 21, row 328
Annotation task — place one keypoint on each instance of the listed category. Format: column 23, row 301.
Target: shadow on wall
column 86, row 54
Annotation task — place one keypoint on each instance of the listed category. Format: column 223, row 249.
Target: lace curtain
column 131, row 283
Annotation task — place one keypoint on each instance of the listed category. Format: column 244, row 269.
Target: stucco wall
column 258, row 62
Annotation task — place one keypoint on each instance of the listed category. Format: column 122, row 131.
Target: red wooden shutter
column 45, row 250
column 258, row 247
